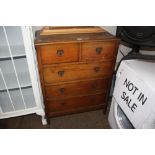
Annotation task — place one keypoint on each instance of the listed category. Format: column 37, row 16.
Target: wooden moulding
column 47, row 30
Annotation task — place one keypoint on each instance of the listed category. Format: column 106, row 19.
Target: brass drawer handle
column 97, row 69
column 62, row 90
column 61, row 73
column 98, row 50
column 60, row 52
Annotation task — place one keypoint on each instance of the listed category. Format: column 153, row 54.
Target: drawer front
column 77, row 102
column 59, row 53
column 72, row 72
column 98, row 50
column 77, row 88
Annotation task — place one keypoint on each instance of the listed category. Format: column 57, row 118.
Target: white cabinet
column 20, row 92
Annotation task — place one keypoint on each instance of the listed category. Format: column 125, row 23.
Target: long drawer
column 76, row 88
column 75, row 103
column 72, row 72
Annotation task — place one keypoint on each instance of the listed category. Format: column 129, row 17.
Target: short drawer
column 98, row 50
column 59, row 53
column 76, row 88
column 77, row 102
column 72, row 72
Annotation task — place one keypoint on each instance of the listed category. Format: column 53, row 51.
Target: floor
column 87, row 120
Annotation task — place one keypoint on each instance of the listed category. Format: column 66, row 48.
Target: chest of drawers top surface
column 66, row 38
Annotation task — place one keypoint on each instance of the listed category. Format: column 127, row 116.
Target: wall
column 35, row 28
column 110, row 29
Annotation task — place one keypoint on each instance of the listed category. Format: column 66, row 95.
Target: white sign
column 134, row 96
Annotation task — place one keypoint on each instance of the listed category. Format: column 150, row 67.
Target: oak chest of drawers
column 75, row 70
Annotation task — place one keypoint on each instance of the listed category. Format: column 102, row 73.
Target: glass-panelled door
column 15, row 85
